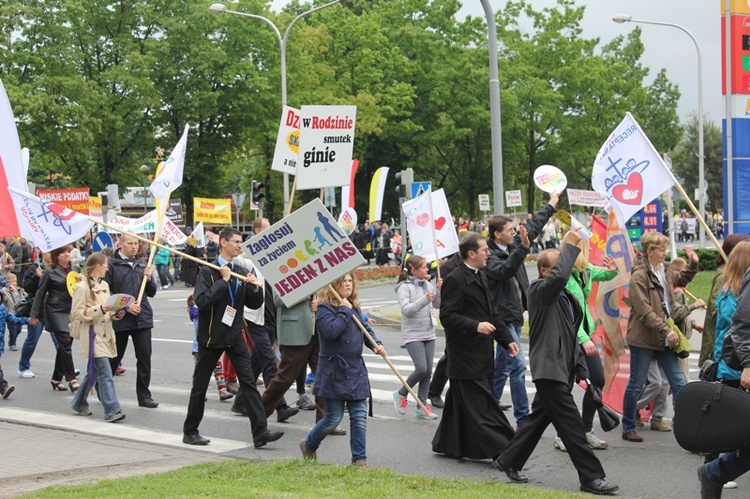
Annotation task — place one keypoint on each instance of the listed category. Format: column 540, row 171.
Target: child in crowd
column 7, row 317
column 12, row 294
column 341, row 377
column 221, row 383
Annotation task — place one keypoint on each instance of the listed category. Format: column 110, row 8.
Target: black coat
column 554, row 318
column 52, row 301
column 465, row 302
column 123, row 277
column 504, row 267
column 212, row 296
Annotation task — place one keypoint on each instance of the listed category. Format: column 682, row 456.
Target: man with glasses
column 509, row 285
column 221, row 298
column 124, row 275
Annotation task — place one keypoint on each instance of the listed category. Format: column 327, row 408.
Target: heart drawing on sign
column 630, row 193
column 439, row 223
column 423, row 219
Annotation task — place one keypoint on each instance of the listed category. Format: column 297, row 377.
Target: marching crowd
column 242, row 331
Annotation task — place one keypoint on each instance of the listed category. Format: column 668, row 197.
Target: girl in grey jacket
column 416, row 296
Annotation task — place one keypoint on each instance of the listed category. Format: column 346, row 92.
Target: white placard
column 587, row 198
column 326, row 146
column 303, row 252
column 484, row 202
column 513, row 199
column 287, row 142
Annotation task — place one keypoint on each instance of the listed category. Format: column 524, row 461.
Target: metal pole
column 729, row 201
column 282, row 46
column 495, row 131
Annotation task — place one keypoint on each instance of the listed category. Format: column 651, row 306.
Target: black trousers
column 142, row 345
column 554, row 404
column 439, row 378
column 204, row 371
column 596, row 376
column 263, row 357
column 64, row 357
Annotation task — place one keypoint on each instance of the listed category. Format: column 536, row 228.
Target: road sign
column 484, row 202
column 101, row 241
column 419, row 188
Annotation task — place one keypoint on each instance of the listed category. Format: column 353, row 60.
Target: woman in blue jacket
column 341, row 378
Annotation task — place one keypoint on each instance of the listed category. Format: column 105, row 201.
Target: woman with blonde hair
column 649, row 336
column 341, row 378
column 579, row 285
column 91, row 323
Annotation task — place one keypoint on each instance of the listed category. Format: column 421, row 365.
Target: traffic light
column 258, row 195
column 407, row 178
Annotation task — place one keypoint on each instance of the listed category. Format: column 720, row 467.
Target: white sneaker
column 730, row 485
column 560, row 445
column 26, row 374
column 428, row 414
column 595, row 442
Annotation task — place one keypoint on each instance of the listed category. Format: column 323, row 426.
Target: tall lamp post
column 219, row 8
column 498, row 196
column 144, row 170
column 625, row 18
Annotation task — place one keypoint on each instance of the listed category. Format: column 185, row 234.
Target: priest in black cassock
column 472, row 424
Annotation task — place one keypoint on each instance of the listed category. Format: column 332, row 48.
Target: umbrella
column 608, row 418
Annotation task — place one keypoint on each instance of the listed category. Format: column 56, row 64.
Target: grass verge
column 700, row 286
column 293, row 478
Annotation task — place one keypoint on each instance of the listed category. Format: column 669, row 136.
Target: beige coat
column 647, row 324
column 87, row 310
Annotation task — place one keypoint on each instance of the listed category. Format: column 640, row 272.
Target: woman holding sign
column 91, row 322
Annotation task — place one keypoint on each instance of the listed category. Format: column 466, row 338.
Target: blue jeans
column 729, row 466
column 164, row 277
column 515, row 368
column 32, row 338
column 334, row 415
column 105, row 387
column 640, row 359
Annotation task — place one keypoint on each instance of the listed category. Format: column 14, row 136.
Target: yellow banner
column 95, row 206
column 212, row 211
column 736, row 7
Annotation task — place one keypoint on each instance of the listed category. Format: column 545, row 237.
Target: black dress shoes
column 437, row 401
column 513, row 475
column 285, row 412
column 267, row 436
column 194, row 439
column 599, row 487
column 150, row 403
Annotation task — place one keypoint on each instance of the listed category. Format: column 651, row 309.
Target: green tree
column 685, row 161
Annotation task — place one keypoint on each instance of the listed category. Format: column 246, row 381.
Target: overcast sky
column 665, row 47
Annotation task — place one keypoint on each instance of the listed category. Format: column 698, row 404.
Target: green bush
column 706, row 256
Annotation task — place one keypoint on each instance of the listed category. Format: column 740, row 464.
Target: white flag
column 48, row 225
column 629, row 170
column 199, row 234
column 430, row 225
column 172, row 171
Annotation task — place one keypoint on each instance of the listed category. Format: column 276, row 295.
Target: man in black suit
column 472, row 426
column 556, row 360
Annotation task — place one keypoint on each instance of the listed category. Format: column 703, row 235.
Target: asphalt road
column 655, row 468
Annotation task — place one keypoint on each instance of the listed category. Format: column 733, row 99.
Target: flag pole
column 160, row 214
column 695, row 211
column 291, row 196
column 171, row 250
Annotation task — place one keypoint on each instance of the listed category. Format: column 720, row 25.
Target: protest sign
column 146, row 224
column 303, row 252
column 326, row 146
column 348, row 220
column 73, row 199
column 214, row 211
column 430, row 226
column 581, row 197
column 287, row 142
column 512, row 199
column 95, row 207
column 550, row 179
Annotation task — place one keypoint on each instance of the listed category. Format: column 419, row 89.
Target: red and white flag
column 629, row 170
column 12, row 171
column 48, row 225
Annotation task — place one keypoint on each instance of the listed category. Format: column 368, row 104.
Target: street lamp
column 625, row 18
column 144, row 170
column 495, row 124
column 220, row 8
